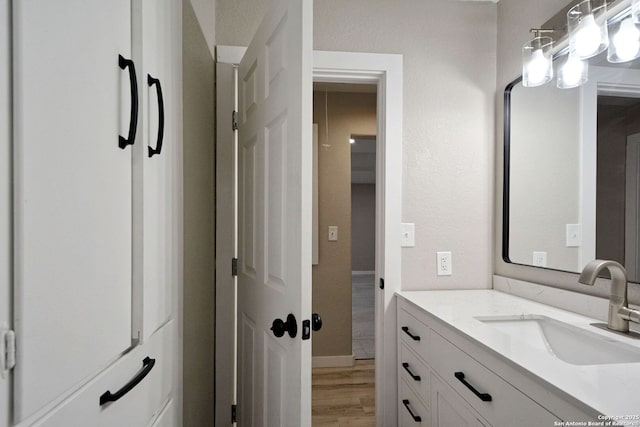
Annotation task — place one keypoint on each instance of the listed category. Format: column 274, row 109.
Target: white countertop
column 611, row 389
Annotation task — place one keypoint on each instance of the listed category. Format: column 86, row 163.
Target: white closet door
column 72, row 194
column 154, row 216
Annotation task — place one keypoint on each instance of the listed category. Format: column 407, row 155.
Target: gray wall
column 449, row 60
column 199, row 226
column 363, row 227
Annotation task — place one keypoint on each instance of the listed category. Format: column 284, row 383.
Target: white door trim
column 384, row 70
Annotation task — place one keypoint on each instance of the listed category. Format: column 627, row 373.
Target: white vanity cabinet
column 449, row 386
column 95, row 262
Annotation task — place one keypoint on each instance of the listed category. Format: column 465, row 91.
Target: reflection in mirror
column 572, row 171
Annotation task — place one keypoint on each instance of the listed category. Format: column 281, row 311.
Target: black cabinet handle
column 415, row 377
column 133, row 121
column 485, row 397
column 153, row 81
column 405, row 329
column 416, row 418
column 147, row 366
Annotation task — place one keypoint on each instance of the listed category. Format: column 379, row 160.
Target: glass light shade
column 537, row 62
column 635, row 11
column 572, row 73
column 588, row 34
column 625, row 42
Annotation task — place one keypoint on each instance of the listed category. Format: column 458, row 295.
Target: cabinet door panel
column 72, row 194
column 154, row 175
column 449, row 409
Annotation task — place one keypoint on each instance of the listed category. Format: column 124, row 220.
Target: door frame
column 385, row 71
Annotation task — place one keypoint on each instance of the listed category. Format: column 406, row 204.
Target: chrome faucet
column 619, row 312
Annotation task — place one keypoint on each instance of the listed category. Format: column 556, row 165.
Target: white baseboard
column 362, row 273
column 344, row 361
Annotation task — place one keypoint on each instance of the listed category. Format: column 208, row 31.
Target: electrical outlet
column 444, row 260
column 540, row 259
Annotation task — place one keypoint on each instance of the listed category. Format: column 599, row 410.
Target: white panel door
column 153, row 173
column 72, row 194
column 5, row 201
column 274, row 218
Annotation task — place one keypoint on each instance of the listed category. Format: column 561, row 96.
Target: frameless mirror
column 572, row 171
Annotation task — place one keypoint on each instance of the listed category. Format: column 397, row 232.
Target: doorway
column 363, row 245
column 385, row 72
column 344, row 275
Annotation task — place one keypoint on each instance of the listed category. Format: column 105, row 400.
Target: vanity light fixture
column 572, row 73
column 625, row 43
column 587, row 25
column 537, row 59
column 635, row 11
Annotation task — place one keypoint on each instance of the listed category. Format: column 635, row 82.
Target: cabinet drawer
column 503, row 405
column 413, row 370
column 136, row 408
column 166, row 418
column 411, row 410
column 414, row 333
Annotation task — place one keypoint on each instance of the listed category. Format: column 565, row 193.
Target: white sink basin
column 566, row 342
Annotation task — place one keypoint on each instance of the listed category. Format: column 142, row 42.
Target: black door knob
column 290, row 326
column 316, row 322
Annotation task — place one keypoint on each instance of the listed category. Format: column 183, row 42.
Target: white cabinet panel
column 72, row 194
column 412, row 410
column 464, row 374
column 135, row 409
column 154, row 164
column 449, row 409
column 167, row 417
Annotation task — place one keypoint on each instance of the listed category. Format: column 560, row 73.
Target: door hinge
column 234, row 266
column 7, row 351
column 234, row 120
column 234, row 414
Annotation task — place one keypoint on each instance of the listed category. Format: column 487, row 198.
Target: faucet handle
column 629, row 314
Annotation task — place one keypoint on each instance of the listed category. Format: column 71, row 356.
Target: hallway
column 344, row 396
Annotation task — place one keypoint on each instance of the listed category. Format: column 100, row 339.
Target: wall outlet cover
column 444, row 263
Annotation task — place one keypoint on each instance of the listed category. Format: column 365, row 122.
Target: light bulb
column 537, row 68
column 587, row 38
column 571, row 72
column 352, row 141
column 627, row 41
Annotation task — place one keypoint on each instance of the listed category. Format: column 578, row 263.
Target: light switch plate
column 408, row 239
column 574, row 236
column 333, row 233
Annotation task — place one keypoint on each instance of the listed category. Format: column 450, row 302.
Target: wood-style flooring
column 344, row 396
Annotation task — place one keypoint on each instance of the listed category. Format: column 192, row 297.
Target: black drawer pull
column 415, row 377
column 158, row 148
column 485, row 397
column 405, row 329
column 416, row 418
column 133, row 120
column 147, row 365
